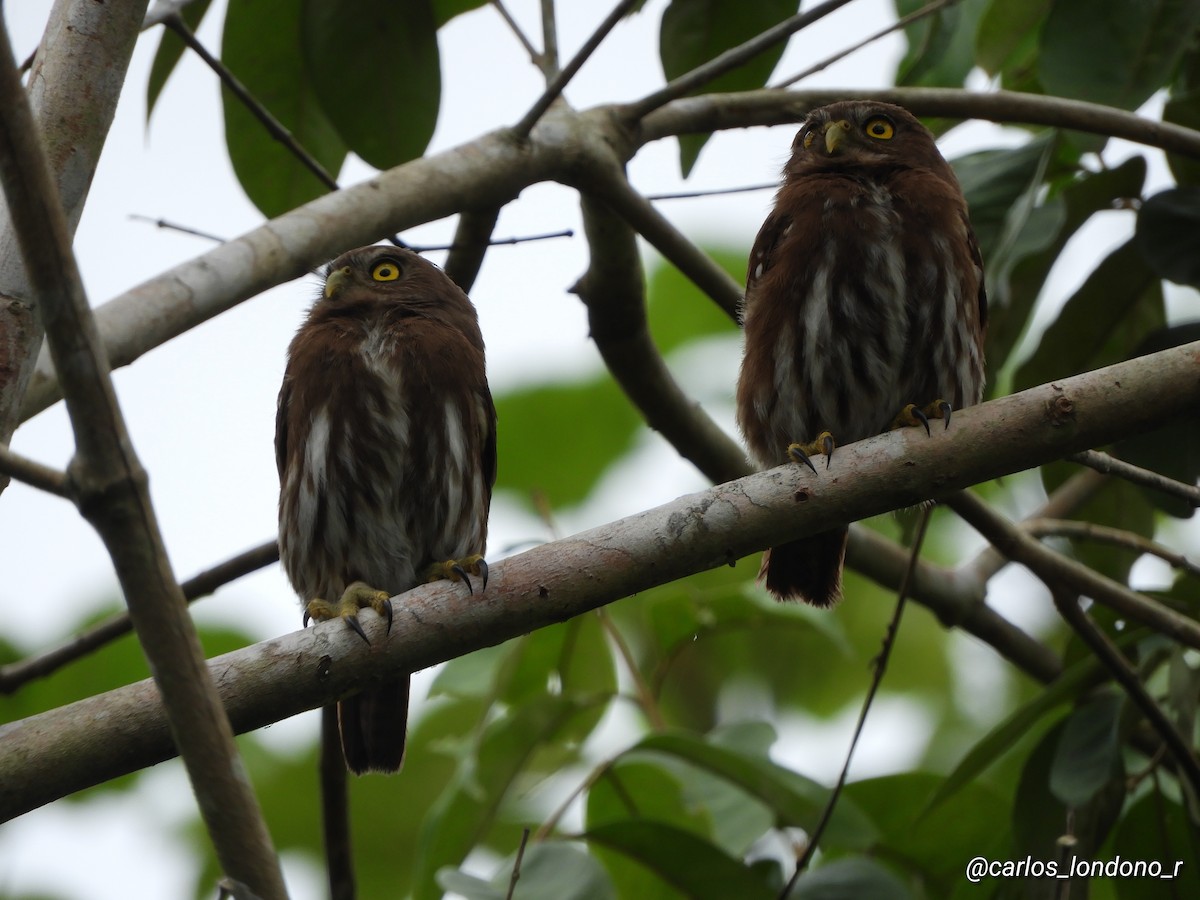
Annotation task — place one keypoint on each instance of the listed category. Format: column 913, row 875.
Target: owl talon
column 802, row 453
column 459, row 570
column 913, row 415
column 357, row 596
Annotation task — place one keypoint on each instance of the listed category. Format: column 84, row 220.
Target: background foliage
column 679, row 720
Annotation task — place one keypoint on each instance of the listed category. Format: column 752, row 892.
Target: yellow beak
column 335, row 280
column 835, row 134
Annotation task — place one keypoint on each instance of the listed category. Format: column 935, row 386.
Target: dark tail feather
column 809, row 569
column 373, row 725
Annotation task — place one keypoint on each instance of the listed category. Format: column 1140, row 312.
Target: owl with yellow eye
column 385, row 441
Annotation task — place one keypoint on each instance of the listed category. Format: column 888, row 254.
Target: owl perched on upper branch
column 865, row 308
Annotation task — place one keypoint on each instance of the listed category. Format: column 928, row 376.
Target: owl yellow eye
column 385, row 271
column 808, row 139
column 880, row 128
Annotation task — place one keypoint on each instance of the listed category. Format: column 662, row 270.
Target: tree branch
column 1110, row 465
column 66, row 749
column 85, row 43
column 493, row 169
column 1103, row 534
column 34, row 474
column 1056, row 569
column 111, row 491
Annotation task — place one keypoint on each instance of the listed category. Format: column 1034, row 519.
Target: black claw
column 462, row 573
column 801, row 457
column 922, row 418
column 483, row 573
column 307, row 619
column 352, row 621
column 387, row 607
column 827, row 446
column 946, row 409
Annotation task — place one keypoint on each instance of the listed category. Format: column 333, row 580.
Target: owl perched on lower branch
column 865, row 308
column 385, row 440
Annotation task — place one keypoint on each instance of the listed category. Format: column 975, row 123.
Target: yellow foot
column 913, row 415
column 459, row 570
column 358, row 595
column 800, row 453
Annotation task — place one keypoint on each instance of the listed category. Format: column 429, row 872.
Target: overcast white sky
column 201, row 408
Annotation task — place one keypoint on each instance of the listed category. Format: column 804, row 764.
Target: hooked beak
column 835, row 134
column 335, row 280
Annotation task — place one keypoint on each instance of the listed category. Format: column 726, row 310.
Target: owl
column 385, row 441
column 865, row 308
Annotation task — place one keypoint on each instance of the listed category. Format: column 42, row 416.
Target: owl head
column 863, row 134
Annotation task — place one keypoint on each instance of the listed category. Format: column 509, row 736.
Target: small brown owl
column 385, row 441
column 865, row 307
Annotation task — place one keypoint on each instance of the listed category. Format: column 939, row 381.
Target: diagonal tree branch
column 64, row 750
column 111, row 489
column 84, row 43
column 1110, row 465
column 493, row 169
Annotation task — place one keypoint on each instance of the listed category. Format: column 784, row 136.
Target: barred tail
column 809, row 569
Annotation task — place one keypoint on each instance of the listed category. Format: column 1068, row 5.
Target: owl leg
column 358, row 595
column 801, row 453
column 459, row 570
column 913, row 415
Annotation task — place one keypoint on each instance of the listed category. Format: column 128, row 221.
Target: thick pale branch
column 85, row 43
column 492, row 170
column 66, row 749
column 110, row 488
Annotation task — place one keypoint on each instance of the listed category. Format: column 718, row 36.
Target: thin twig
column 1110, row 465
column 516, row 869
column 645, row 699
column 549, row 57
column 547, row 827
column 534, row 56
column 881, row 662
column 927, row 10
column 494, row 242
column 1054, row 568
column 112, row 494
column 335, row 809
column 730, row 59
column 273, row 126
column 563, row 78
column 1110, row 655
column 472, row 237
column 1103, row 533
column 14, row 675
column 1067, row 498
column 34, row 474
column 184, row 229
column 714, row 192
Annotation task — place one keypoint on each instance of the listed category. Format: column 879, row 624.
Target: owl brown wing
column 762, row 254
column 977, row 258
column 281, row 410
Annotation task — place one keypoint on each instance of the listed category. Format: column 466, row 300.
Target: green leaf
column 677, row 310
column 796, row 800
column 1013, row 290
column 375, row 70
column 936, row 846
column 1183, row 108
column 1174, row 449
column 850, row 879
column 694, row 31
column 1076, row 679
column 170, row 49
column 1089, row 751
column 1006, row 40
column 552, row 871
column 445, row 10
column 681, row 859
column 1156, row 828
column 1040, row 819
column 1116, row 53
column 941, row 47
column 559, row 439
column 261, row 47
column 1168, row 234
column 1115, row 308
